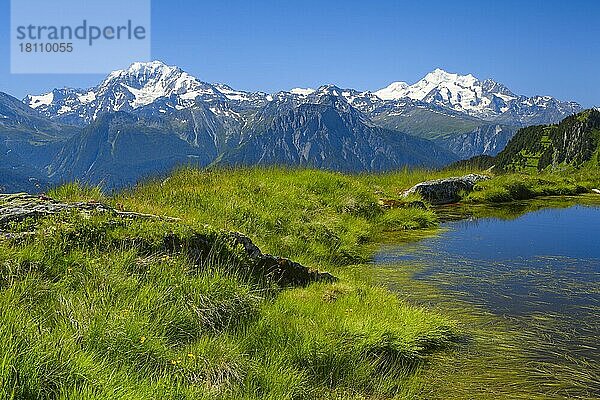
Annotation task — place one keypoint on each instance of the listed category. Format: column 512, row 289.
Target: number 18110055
column 46, row 47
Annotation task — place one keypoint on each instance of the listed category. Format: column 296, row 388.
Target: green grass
column 74, row 192
column 521, row 187
column 95, row 307
column 511, row 187
column 318, row 218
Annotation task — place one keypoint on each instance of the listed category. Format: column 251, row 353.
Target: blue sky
column 534, row 47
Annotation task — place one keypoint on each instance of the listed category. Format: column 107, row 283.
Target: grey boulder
column 446, row 190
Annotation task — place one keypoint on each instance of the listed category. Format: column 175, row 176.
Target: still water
column 540, row 270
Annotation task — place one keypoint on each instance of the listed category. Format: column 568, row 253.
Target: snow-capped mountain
column 142, row 84
column 488, row 100
column 166, row 87
column 150, row 117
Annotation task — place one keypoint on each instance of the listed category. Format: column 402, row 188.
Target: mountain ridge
column 444, row 107
column 150, row 117
column 143, row 83
column 486, row 99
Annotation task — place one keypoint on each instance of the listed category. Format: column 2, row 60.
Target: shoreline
column 490, row 338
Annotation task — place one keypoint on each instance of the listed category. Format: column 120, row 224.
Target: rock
column 447, row 190
column 199, row 246
column 280, row 270
column 20, row 206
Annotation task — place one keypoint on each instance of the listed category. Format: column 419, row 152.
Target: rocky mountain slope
column 332, row 135
column 574, row 142
column 28, row 141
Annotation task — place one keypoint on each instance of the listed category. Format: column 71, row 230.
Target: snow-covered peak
column 153, row 67
column 143, row 84
column 41, row 100
column 147, row 82
column 439, row 76
column 302, row 91
column 395, row 90
column 462, row 93
column 143, row 70
column 437, row 79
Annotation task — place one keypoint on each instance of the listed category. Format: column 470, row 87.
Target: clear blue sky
column 534, row 47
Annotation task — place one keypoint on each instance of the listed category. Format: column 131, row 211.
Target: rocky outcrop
column 447, row 190
column 17, row 207
column 198, row 246
column 254, row 263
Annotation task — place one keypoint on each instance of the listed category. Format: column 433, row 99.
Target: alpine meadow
column 336, row 201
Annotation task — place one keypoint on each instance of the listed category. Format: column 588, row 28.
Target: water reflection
column 540, row 269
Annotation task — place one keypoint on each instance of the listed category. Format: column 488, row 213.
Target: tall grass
column 322, row 219
column 511, row 187
column 94, row 307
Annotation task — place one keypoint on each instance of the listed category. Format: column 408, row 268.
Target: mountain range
column 147, row 119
